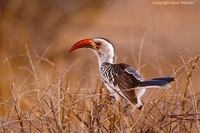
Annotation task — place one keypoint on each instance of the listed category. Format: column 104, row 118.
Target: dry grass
column 38, row 94
column 57, row 107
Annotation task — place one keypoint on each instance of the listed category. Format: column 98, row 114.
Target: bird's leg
column 117, row 97
column 111, row 99
column 126, row 108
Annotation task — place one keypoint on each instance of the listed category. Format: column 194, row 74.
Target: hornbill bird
column 120, row 79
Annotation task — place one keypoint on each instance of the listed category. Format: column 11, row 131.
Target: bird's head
column 102, row 47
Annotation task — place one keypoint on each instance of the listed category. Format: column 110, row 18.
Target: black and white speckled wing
column 124, row 78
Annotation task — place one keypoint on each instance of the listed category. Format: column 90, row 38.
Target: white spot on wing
column 135, row 73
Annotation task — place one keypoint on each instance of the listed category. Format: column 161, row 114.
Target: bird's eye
column 98, row 45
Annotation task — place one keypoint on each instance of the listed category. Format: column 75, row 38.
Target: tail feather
column 157, row 82
column 168, row 79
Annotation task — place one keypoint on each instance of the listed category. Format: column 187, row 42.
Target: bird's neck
column 102, row 58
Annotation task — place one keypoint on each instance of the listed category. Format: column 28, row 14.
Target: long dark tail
column 157, row 82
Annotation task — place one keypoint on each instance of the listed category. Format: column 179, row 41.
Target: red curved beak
column 86, row 43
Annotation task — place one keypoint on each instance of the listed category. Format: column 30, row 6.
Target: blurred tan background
column 49, row 27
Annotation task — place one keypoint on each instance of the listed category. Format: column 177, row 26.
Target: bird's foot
column 126, row 109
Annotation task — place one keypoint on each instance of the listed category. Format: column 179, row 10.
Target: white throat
column 106, row 57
